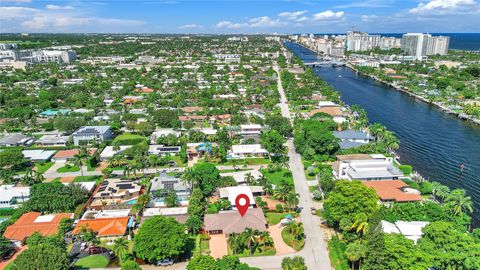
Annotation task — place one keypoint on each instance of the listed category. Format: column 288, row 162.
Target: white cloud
column 55, row 7
column 444, row 7
column 190, row 26
column 328, row 15
column 264, row 21
column 230, row 25
column 367, row 4
column 293, row 14
column 49, row 22
column 7, row 13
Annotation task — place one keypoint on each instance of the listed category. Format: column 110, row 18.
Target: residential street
column 315, row 250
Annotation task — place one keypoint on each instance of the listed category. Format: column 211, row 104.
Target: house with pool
column 164, row 184
column 115, row 193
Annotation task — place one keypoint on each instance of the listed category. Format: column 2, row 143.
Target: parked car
column 7, row 255
column 165, row 262
column 313, row 210
column 96, row 250
column 286, row 221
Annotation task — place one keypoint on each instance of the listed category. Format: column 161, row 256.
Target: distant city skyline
column 268, row 16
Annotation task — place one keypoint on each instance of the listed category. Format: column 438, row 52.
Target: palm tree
column 378, row 131
column 249, row 179
column 296, row 229
column 440, row 191
column 292, row 199
column 80, row 159
column 32, row 177
column 459, row 202
column 250, row 239
column 120, row 248
column 143, row 199
column 234, row 243
column 355, row 252
column 361, row 224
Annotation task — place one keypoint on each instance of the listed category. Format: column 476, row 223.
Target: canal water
column 434, row 143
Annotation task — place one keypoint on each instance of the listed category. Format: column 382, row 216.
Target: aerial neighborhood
column 131, row 150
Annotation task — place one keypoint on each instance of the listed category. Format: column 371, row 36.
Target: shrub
column 406, row 169
column 279, row 207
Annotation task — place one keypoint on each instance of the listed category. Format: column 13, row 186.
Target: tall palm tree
column 234, row 243
column 355, row 252
column 250, row 239
column 120, row 248
column 292, row 199
column 296, row 229
column 440, row 191
column 378, row 130
column 32, row 177
column 249, row 179
column 459, row 202
column 80, row 159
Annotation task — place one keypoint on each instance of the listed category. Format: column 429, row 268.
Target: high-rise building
column 360, row 41
column 420, row 45
column 387, row 43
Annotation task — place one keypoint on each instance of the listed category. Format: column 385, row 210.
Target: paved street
column 315, row 250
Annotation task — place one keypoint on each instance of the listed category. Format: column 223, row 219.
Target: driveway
column 218, row 245
column 280, row 246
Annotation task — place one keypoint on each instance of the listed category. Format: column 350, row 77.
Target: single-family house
column 109, row 151
column 410, row 229
column 228, row 222
column 38, row 155
column 16, row 139
column 394, row 191
column 180, row 214
column 247, row 150
column 365, row 167
column 11, row 195
column 352, row 138
column 105, row 228
column 32, row 222
column 198, row 150
column 161, row 150
column 164, row 184
column 115, row 194
column 163, row 132
column 53, row 140
column 250, row 130
column 231, row 193
column 89, row 134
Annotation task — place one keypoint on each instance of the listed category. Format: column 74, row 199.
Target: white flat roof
column 45, row 218
column 248, row 149
column 174, row 211
column 108, row 151
column 7, row 192
column 232, row 192
column 38, row 154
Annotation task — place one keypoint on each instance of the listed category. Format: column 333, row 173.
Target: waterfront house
column 89, row 134
column 389, row 191
column 410, row 229
column 352, row 138
column 365, row 167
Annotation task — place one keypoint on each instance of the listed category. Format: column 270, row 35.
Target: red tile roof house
column 64, row 155
column 32, row 222
column 394, row 191
column 105, row 228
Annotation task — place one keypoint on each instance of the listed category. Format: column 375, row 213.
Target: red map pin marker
column 242, row 205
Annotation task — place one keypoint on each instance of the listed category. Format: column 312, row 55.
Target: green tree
column 459, row 202
column 54, row 197
column 202, row 262
column 349, row 199
column 273, row 142
column 130, row 265
column 171, row 199
column 11, row 157
column 294, row 263
column 355, row 252
column 81, row 158
column 42, row 257
column 160, row 238
column 120, row 248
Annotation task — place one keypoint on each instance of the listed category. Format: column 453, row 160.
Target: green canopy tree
column 160, row 238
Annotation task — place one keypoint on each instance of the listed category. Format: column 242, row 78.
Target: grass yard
column 92, row 178
column 290, row 240
column 275, row 218
column 128, row 139
column 257, row 253
column 92, row 261
column 68, row 168
column 336, row 252
column 43, row 167
column 277, row 176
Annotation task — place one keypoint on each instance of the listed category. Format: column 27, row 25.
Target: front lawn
column 43, row 167
column 276, row 176
column 92, row 178
column 290, row 240
column 268, row 252
column 92, row 261
column 68, row 168
column 274, row 218
column 129, row 139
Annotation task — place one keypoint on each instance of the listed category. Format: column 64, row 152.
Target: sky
column 246, row 16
